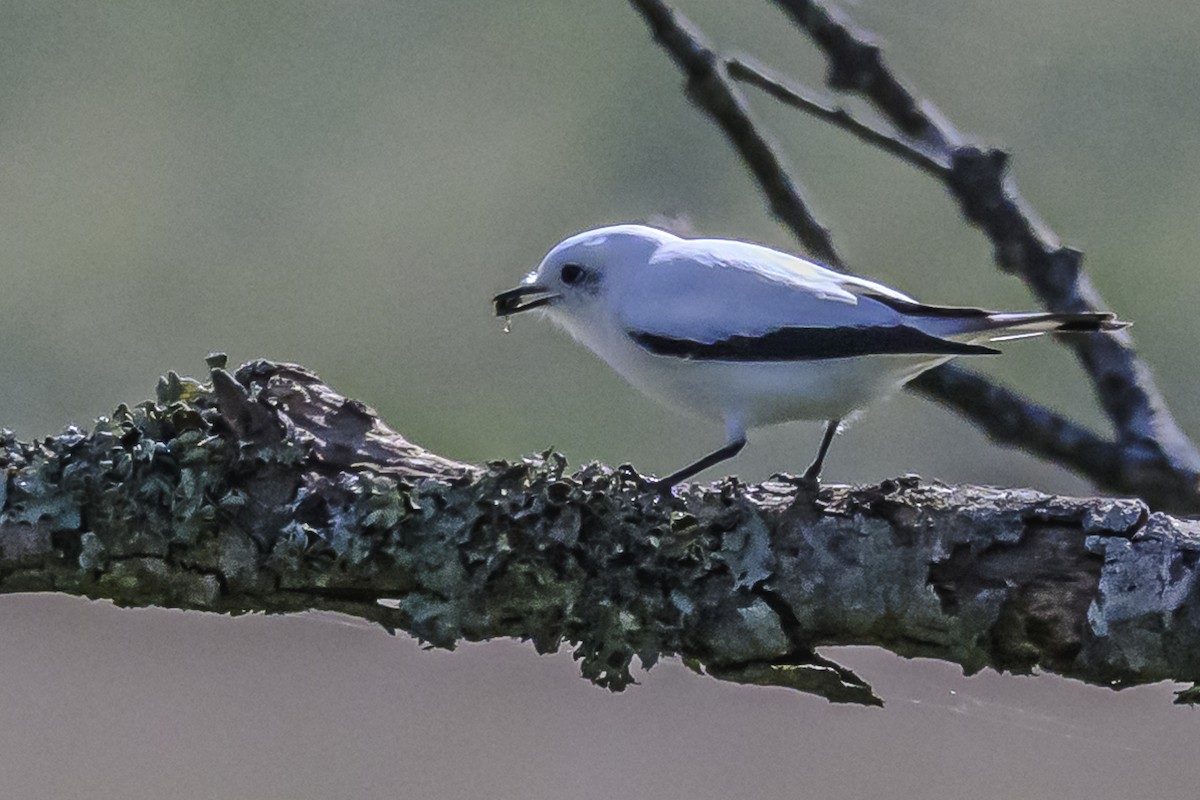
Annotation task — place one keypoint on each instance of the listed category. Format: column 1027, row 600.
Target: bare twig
column 856, row 65
column 979, row 180
column 1015, row 418
column 1151, row 458
column 749, row 72
column 709, row 87
column 1134, row 468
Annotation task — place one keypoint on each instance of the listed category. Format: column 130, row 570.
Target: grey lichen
column 1148, row 586
column 267, row 491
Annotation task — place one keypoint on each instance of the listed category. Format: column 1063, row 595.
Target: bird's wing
column 732, row 301
column 710, row 288
column 726, row 300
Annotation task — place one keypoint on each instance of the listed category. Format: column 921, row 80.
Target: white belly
column 754, row 394
column 760, row 393
column 763, row 393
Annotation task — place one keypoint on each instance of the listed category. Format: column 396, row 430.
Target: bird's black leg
column 814, row 469
column 715, row 457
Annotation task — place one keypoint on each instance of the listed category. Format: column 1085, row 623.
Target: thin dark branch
column 1013, row 420
column 856, row 65
column 1022, row 244
column 1008, row 418
column 708, row 86
column 790, row 94
column 1152, row 458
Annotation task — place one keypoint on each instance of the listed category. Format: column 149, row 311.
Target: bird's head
column 575, row 277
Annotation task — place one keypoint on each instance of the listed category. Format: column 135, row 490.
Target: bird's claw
column 805, row 483
column 662, row 487
column 629, row 473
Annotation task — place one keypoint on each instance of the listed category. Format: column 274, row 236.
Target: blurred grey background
column 346, row 184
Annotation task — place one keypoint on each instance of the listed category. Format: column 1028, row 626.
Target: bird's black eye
column 571, row 274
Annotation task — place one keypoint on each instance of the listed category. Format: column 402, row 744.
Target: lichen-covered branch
column 1150, row 457
column 267, row 491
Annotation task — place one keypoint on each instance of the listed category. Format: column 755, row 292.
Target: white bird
column 751, row 336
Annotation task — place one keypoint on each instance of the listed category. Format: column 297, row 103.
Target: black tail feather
column 1091, row 321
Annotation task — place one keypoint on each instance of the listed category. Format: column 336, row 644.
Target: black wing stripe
column 809, row 344
column 923, row 310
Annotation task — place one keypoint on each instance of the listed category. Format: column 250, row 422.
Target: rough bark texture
column 267, row 491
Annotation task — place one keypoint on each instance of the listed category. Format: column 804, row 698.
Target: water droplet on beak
column 508, row 324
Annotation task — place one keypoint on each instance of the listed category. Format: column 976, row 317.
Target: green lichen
column 216, row 496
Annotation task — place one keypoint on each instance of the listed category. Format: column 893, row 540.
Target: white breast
column 751, row 393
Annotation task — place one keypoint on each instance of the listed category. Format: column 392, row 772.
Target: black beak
column 522, row 298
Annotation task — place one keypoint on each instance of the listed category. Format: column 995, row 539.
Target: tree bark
column 267, row 491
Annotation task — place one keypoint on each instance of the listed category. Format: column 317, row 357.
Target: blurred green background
column 345, row 184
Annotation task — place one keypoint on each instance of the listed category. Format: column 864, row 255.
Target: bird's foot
column 661, row 487
column 810, row 484
column 627, row 472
